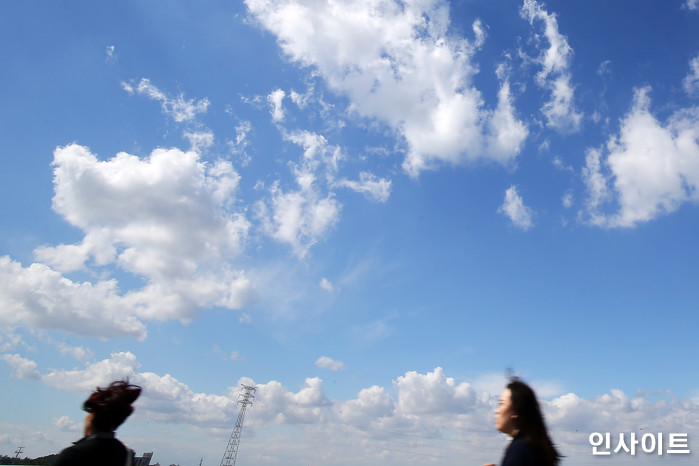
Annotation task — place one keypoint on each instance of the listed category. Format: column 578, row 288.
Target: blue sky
column 371, row 210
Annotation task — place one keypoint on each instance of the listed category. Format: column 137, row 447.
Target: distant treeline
column 45, row 460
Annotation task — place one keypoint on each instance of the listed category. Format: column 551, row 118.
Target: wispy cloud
column 374, row 188
column 691, row 81
column 178, row 108
column 560, row 111
column 302, row 215
column 513, row 207
column 110, row 53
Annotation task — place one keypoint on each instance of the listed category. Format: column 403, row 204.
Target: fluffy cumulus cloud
column 559, row 111
column 40, row 297
column 399, row 65
column 649, row 169
column 165, row 218
column 433, row 393
column 513, row 207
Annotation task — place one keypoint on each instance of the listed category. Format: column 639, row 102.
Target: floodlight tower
column 245, row 399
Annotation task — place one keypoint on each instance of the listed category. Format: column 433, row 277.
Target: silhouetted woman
column 519, row 416
column 107, row 408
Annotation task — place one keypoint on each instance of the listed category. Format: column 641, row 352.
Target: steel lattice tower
column 244, row 400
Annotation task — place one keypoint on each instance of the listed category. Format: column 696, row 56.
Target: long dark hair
column 111, row 406
column 530, row 421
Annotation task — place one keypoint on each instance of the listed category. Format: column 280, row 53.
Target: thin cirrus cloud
column 402, row 69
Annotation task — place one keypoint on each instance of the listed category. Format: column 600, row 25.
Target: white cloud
column 165, row 218
column 691, row 4
column 691, row 81
column 376, row 189
column 241, row 142
column 10, row 341
column 452, row 418
column 561, row 165
column 648, row 169
column 111, row 55
column 567, row 199
column 78, row 352
column 330, row 364
column 605, row 68
column 163, row 399
column 513, row 207
column 22, row 368
column 301, row 100
column 179, row 109
column 398, row 64
column 505, row 134
column 275, row 100
column 199, row 140
column 434, row 393
column 371, row 404
column 479, row 32
column 39, row 297
column 326, row 285
column 66, row 424
column 560, row 111
column 119, row 366
column 300, row 217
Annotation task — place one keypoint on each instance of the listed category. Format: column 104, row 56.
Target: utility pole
column 19, row 450
column 245, row 399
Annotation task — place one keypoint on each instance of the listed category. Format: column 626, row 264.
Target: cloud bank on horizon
column 431, row 404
